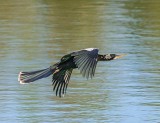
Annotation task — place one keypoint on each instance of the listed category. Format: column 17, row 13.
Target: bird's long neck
column 106, row 57
column 101, row 57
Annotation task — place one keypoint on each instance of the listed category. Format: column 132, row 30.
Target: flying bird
column 85, row 60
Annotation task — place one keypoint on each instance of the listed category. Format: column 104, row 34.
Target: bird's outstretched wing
column 60, row 81
column 86, row 61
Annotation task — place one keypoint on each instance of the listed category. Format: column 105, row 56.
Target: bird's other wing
column 86, row 61
column 60, row 81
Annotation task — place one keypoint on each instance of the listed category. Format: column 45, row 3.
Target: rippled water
column 36, row 34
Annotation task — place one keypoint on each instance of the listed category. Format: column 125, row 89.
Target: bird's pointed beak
column 119, row 56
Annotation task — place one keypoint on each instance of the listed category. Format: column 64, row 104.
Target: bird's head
column 109, row 57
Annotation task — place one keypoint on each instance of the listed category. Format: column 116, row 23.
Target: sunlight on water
column 36, row 34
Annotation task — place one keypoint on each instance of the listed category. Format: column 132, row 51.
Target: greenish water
column 36, row 33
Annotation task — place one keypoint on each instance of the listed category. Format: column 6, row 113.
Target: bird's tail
column 27, row 77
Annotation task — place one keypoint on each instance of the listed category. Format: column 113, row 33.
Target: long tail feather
column 27, row 77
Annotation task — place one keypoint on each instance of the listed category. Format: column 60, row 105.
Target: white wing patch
column 90, row 49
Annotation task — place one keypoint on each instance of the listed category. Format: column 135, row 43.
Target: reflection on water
column 36, row 34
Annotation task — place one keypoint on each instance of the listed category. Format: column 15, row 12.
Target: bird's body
column 67, row 62
column 85, row 60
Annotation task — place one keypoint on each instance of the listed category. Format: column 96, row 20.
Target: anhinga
column 85, row 60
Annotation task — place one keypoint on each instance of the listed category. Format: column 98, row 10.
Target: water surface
column 36, row 34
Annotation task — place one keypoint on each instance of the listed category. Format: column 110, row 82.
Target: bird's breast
column 68, row 65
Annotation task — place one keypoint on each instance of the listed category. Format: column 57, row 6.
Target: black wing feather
column 60, row 81
column 86, row 61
